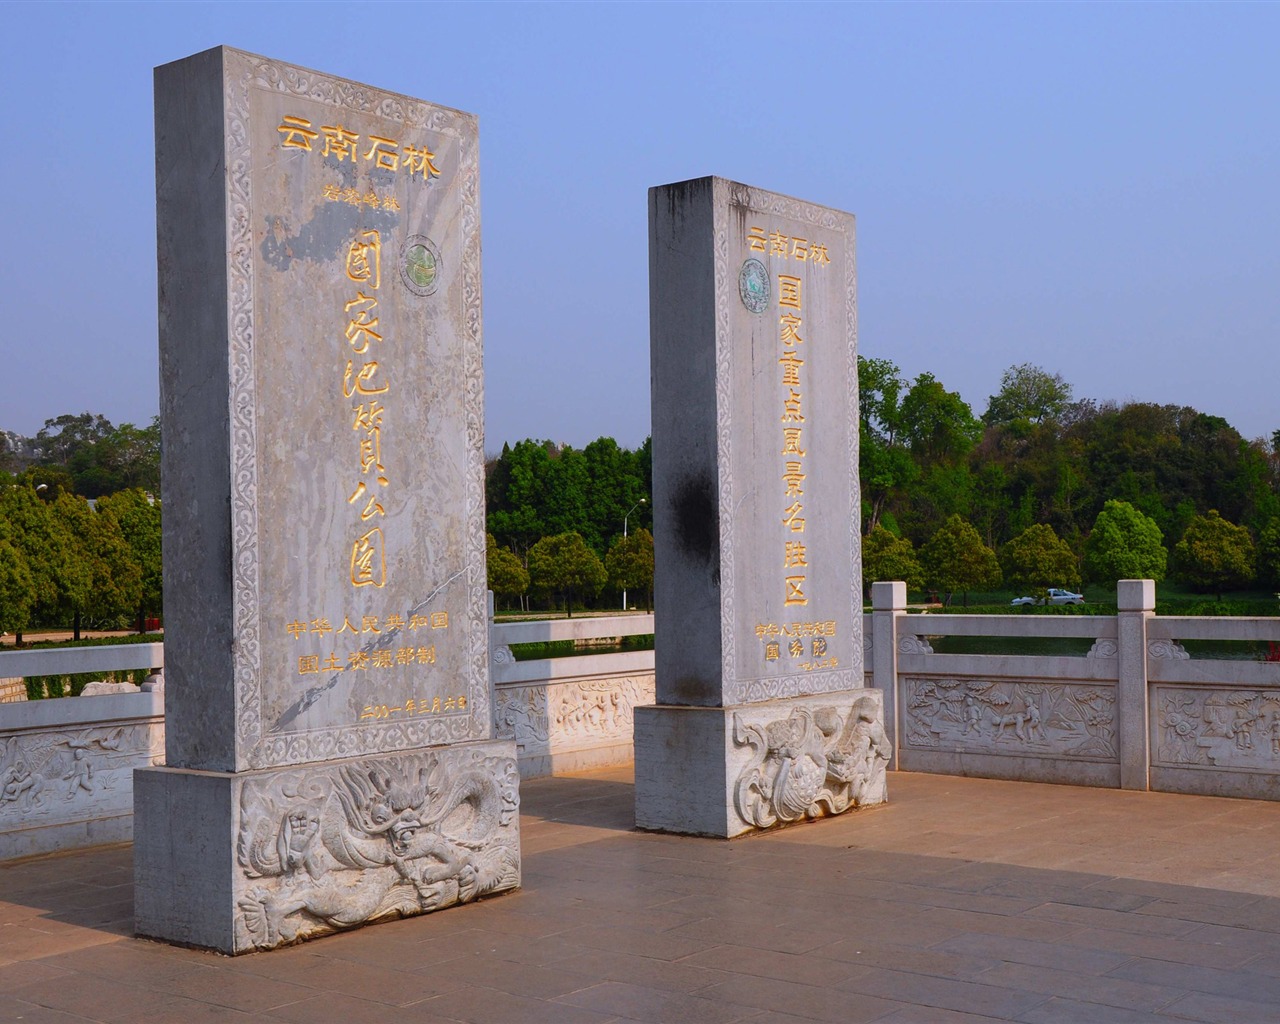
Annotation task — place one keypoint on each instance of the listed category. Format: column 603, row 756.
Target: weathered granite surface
column 758, row 586
column 322, row 403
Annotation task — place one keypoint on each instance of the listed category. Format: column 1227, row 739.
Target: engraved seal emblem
column 420, row 265
column 753, row 286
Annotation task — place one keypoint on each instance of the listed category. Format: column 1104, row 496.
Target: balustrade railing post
column 1136, row 601
column 888, row 601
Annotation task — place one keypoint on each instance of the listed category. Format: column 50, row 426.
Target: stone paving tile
column 946, row 993
column 489, row 1006
column 1173, row 950
column 932, row 1015
column 30, row 1013
column 330, row 1008
column 1034, row 953
column 682, row 976
column 1107, row 990
column 1201, row 1006
column 655, row 1006
column 17, row 976
column 1102, row 899
column 1113, row 919
column 814, row 1002
column 1244, row 984
column 1180, row 893
column 763, row 963
column 1254, row 917
column 1076, row 1011
column 937, row 963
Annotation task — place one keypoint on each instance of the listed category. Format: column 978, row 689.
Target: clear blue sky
column 1091, row 188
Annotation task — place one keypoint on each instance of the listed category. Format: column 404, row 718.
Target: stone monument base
column 712, row 771
column 245, row 861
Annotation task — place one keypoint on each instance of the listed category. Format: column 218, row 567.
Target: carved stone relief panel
column 51, row 777
column 522, row 716
column 818, row 761
column 324, row 849
column 1217, row 727
column 598, row 709
column 1024, row 717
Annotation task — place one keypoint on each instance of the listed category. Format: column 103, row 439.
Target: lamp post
column 642, row 501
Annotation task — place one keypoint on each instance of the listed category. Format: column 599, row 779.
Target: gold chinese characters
column 341, row 144
column 410, row 707
column 365, row 378
column 776, row 244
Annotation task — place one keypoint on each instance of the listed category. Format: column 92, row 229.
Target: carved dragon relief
column 812, row 763
column 331, row 849
column 1030, row 718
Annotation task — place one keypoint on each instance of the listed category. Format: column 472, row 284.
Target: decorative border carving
column 1028, row 717
column 243, row 73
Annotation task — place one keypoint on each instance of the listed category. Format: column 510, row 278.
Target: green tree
column 1269, row 554
column 109, row 581
column 563, row 564
column 955, row 559
column 1124, row 544
column 887, row 557
column 629, row 563
column 16, row 588
column 1214, row 554
column 885, row 465
column 1037, row 559
column 506, row 576
column 47, row 549
column 1029, row 394
column 138, row 514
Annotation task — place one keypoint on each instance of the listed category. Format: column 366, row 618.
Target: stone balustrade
column 1133, row 710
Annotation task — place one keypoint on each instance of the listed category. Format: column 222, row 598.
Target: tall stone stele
column 762, row 715
column 330, row 758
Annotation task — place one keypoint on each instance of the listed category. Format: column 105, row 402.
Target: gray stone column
column 888, row 603
column 762, row 715
column 1136, row 600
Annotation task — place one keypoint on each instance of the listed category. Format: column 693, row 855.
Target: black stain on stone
column 326, row 235
column 697, row 523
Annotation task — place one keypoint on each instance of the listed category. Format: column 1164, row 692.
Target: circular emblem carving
column 753, row 286
column 420, row 265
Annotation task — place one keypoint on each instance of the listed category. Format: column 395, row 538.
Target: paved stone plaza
column 963, row 900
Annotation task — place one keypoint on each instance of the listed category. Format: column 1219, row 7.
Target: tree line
column 1040, row 490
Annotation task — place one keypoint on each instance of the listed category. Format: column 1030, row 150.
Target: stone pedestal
column 758, row 583
column 727, row 771
column 241, row 861
column 330, row 754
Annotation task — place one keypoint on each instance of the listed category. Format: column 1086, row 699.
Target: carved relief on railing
column 909, row 643
column 1225, row 728
column 1103, row 648
column 522, row 716
column 600, row 708
column 48, row 777
column 500, row 654
column 1169, row 649
column 1029, row 718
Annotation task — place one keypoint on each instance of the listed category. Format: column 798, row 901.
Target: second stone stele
column 762, row 717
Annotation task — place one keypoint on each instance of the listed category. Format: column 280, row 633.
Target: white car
column 1056, row 596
